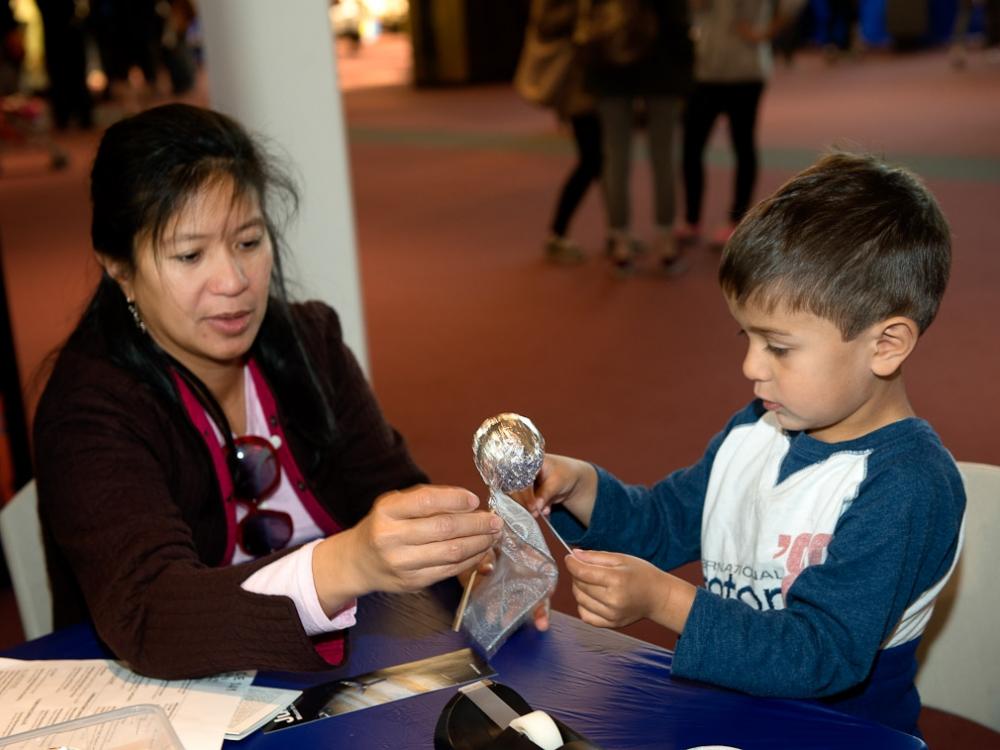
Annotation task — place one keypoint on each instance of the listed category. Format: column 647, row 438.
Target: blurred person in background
column 555, row 22
column 795, row 34
column 178, row 57
column 658, row 79
column 992, row 23
column 128, row 35
column 345, row 19
column 732, row 63
column 963, row 21
column 841, row 28
column 11, row 50
column 66, row 62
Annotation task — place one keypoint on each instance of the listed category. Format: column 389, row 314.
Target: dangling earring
column 135, row 315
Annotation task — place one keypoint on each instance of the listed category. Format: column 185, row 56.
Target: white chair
column 960, row 653
column 21, row 532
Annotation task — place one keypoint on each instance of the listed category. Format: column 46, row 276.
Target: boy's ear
column 895, row 339
column 118, row 270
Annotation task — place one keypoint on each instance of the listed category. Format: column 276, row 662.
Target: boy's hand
column 562, row 480
column 613, row 590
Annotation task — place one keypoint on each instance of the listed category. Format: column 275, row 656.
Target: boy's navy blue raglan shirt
column 821, row 560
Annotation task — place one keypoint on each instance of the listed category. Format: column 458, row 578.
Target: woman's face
column 202, row 293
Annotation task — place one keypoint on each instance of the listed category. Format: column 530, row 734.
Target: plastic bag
column 524, row 575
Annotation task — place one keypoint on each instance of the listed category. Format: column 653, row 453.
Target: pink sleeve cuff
column 292, row 576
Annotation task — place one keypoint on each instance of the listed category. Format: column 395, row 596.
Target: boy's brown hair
column 851, row 239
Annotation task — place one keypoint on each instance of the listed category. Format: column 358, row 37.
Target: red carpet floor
column 453, row 190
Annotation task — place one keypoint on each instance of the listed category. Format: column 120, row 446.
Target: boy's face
column 804, row 372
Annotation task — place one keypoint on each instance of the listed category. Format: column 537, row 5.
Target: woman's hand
column 484, row 567
column 409, row 540
column 564, row 480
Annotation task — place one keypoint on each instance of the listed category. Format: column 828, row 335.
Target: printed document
column 35, row 694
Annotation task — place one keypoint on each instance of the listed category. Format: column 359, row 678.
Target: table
column 614, row 689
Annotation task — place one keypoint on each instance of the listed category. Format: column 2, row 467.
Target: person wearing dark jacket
column 658, row 79
column 217, row 485
column 66, row 63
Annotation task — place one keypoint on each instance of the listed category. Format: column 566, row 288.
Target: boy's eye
column 777, row 351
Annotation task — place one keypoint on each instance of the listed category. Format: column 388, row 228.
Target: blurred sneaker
column 687, row 234
column 721, row 235
column 638, row 247
column 563, row 251
column 958, row 56
column 621, row 250
column 667, row 251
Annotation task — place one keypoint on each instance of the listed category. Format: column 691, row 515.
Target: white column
column 272, row 66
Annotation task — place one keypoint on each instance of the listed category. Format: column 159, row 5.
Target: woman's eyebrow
column 257, row 221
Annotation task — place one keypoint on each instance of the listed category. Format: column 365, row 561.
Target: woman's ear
column 895, row 339
column 120, row 271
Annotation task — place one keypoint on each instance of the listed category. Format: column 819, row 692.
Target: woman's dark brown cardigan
column 134, row 521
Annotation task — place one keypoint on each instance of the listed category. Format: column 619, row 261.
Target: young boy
column 826, row 515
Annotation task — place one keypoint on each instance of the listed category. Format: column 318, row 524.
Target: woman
column 554, row 20
column 733, row 64
column 659, row 78
column 181, row 541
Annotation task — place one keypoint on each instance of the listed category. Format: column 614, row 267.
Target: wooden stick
column 548, row 522
column 460, row 613
column 465, row 601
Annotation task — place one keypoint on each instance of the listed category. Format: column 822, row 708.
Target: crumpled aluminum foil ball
column 508, row 451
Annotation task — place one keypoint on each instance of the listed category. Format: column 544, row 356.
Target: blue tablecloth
column 615, row 690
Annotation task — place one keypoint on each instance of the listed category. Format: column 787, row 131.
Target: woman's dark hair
column 147, row 168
